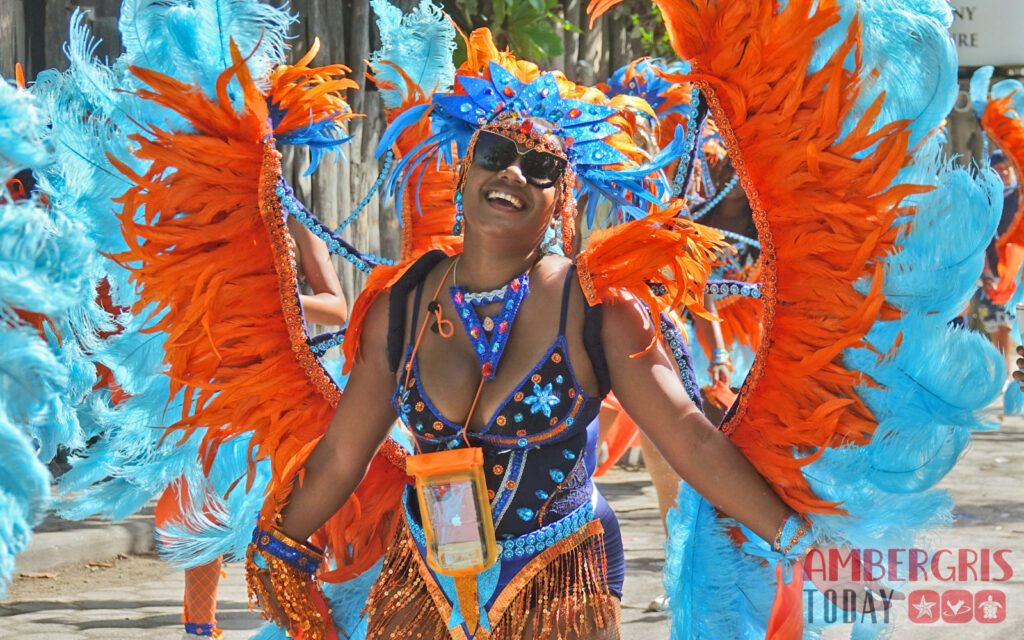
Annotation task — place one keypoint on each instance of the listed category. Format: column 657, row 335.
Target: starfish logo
column 924, row 606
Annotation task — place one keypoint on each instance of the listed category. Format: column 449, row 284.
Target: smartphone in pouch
column 452, row 494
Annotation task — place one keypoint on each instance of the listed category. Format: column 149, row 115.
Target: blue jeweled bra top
column 533, row 445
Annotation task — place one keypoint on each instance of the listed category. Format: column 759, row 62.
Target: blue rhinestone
column 465, row 107
column 557, row 475
column 419, row 427
column 569, row 421
column 541, row 494
column 518, row 417
column 568, row 455
column 559, row 379
column 530, row 549
column 522, row 442
column 525, row 513
column 494, row 347
column 508, row 305
column 480, row 349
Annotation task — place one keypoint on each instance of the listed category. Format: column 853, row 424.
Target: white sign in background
column 989, row 32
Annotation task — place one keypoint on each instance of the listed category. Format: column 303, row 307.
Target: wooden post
column 12, row 36
column 590, row 51
column 571, row 40
column 58, row 17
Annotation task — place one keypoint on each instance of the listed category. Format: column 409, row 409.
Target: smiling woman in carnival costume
column 494, row 355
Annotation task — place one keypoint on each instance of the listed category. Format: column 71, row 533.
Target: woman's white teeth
column 509, row 198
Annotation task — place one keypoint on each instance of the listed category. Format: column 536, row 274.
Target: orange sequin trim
column 586, row 280
column 769, row 273
column 287, row 274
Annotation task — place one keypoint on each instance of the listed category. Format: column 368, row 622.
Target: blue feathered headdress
column 584, row 127
column 644, row 78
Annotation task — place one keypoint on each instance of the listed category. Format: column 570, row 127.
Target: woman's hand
column 720, row 373
column 268, row 603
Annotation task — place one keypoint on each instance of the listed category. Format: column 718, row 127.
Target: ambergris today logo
column 850, row 569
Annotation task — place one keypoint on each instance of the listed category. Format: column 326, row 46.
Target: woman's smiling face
column 505, row 204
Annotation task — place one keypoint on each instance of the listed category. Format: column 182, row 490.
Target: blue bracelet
column 302, row 556
column 794, row 538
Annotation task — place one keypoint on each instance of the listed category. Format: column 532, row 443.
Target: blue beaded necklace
column 490, row 336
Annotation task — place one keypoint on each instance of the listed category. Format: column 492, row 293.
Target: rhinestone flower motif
column 542, row 400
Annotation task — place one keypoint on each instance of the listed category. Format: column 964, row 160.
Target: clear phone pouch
column 456, row 514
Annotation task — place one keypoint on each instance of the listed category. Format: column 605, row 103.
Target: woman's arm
column 327, row 305
column 360, row 424
column 651, row 392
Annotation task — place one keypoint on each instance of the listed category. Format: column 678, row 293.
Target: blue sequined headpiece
column 602, row 170
column 583, row 126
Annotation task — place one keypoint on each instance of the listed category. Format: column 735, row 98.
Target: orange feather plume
column 824, row 213
column 211, row 251
column 310, row 94
column 662, row 259
column 1001, row 121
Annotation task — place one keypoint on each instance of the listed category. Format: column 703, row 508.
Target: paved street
column 139, row 597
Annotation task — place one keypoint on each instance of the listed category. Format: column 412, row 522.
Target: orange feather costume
column 213, row 253
column 840, row 179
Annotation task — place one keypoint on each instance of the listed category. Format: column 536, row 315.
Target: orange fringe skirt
column 561, row 590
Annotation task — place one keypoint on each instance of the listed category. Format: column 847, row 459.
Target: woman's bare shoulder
column 550, row 272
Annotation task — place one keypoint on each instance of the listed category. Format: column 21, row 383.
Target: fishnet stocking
column 201, row 592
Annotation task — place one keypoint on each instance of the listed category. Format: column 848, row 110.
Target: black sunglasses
column 495, row 152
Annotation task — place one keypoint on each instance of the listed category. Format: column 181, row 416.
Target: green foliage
column 649, row 26
column 528, row 27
